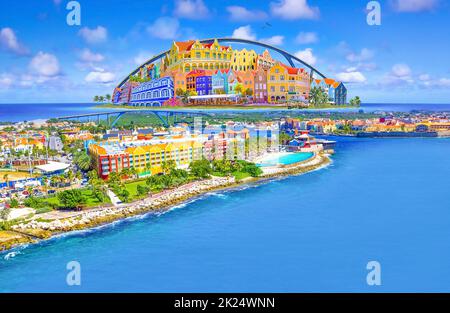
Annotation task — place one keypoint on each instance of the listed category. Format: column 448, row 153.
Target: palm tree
column 108, row 97
column 96, row 99
column 101, row 98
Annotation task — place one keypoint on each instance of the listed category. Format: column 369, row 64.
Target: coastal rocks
column 101, row 216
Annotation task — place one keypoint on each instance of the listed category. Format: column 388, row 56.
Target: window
column 155, row 94
column 282, row 77
column 272, row 88
column 149, row 95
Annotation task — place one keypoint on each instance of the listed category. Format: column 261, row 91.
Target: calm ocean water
column 381, row 199
column 21, row 112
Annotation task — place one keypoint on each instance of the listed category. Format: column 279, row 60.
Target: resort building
column 243, row 60
column 187, row 56
column 153, row 93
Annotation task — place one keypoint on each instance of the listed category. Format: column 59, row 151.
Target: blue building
column 152, row 93
column 340, row 94
column 203, row 85
column 219, row 82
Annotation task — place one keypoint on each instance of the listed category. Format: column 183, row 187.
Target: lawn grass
column 132, row 187
column 241, row 175
column 91, row 201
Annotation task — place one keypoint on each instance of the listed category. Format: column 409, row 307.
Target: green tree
column 14, row 203
column 238, row 89
column 71, row 199
column 356, row 101
column 318, row 96
column 108, row 97
column 83, row 161
column 168, row 166
column 143, row 190
column 200, row 168
column 96, row 99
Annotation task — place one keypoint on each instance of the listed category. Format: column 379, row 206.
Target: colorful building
column 187, row 56
column 203, row 85
column 153, row 93
column 265, row 60
column 243, row 60
column 219, row 82
column 260, row 85
column 247, row 79
column 286, row 83
column 125, row 95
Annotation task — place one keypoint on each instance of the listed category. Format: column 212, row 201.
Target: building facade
column 191, row 55
column 243, row 60
column 153, row 93
column 203, row 85
column 260, row 85
column 265, row 60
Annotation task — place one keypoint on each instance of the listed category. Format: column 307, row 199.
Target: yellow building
column 286, row 83
column 244, row 60
column 186, row 56
column 146, row 159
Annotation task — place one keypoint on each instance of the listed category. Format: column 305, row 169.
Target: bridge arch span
column 290, row 58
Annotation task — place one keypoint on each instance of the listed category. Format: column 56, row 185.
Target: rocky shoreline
column 37, row 229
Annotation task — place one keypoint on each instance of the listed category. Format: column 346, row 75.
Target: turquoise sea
column 382, row 200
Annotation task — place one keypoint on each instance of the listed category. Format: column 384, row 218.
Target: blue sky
column 43, row 59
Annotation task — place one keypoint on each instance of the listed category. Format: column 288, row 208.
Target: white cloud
column 244, row 32
column 304, row 38
column 401, row 71
column 351, row 76
column 90, row 57
column 274, row 40
column 238, row 13
column 306, row 56
column 294, row 9
column 142, row 57
column 164, row 28
column 192, row 9
column 414, row 5
column 6, row 81
column 424, row 77
column 364, row 55
column 101, row 76
column 94, row 35
column 9, row 42
column 45, row 65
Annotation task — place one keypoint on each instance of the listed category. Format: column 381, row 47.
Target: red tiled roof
column 291, row 70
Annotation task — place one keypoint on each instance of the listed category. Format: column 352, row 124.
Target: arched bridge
column 113, row 117
column 290, row 58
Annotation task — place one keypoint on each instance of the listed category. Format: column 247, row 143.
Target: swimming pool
column 287, row 159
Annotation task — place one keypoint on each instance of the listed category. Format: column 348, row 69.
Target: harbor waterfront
column 295, row 234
